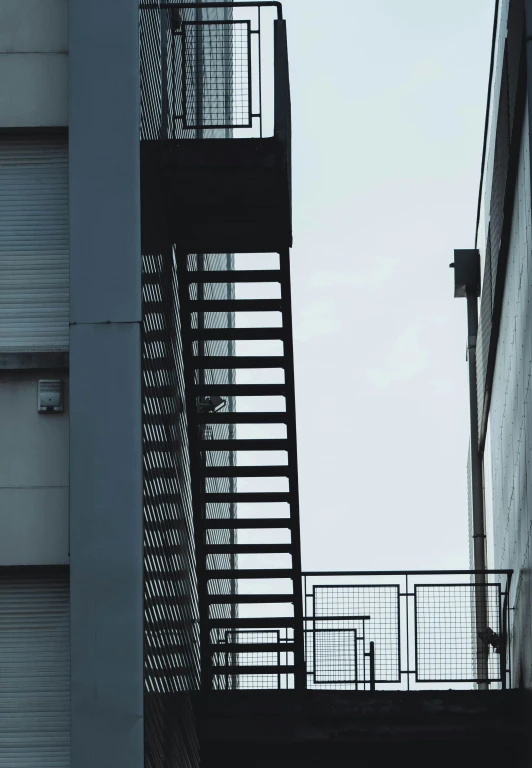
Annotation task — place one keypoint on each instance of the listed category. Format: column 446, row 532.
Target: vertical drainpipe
column 467, row 285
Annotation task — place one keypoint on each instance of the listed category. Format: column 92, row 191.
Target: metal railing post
column 407, row 598
column 372, row 666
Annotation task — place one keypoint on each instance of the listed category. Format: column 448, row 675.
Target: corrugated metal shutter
column 34, row 243
column 34, row 669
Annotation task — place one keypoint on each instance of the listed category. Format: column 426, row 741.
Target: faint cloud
column 320, row 318
column 406, row 360
column 380, row 272
column 444, row 387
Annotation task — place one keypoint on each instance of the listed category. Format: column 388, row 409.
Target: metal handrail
column 169, row 6
column 461, row 572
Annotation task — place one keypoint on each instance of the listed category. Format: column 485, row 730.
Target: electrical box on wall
column 50, row 398
column 466, row 267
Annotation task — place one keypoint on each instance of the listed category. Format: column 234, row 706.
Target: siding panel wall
column 501, row 151
column 510, row 425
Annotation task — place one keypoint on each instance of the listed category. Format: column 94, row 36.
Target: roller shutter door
column 34, row 244
column 34, row 669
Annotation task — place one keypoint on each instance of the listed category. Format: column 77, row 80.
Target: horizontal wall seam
column 34, row 53
column 109, row 322
column 30, row 487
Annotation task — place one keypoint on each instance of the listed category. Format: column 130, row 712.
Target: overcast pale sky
column 388, row 105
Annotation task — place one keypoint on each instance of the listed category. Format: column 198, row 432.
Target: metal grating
column 446, row 631
column 215, row 95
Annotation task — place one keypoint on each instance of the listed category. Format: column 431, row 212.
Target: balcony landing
column 216, row 195
column 319, row 728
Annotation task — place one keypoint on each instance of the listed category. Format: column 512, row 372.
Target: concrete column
column 105, row 368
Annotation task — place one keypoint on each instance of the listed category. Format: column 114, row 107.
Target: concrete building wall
column 33, row 474
column 106, row 515
column 33, row 63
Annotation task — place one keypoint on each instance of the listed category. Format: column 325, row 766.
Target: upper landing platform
column 216, row 128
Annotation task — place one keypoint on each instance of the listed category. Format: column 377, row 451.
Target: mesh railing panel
column 425, row 630
column 335, row 656
column 215, row 95
column 371, row 611
column 446, row 631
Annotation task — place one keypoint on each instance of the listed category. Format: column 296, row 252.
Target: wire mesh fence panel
column 371, row 610
column 335, row 655
column 216, row 95
column 458, row 631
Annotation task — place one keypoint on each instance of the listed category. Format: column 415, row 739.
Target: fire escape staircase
column 221, row 655
column 228, row 191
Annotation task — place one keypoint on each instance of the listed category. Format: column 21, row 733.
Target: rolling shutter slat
column 34, row 244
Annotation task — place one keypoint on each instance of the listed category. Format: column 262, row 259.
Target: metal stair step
column 161, row 363
column 231, row 362
column 253, row 670
column 152, row 278
column 234, row 305
column 158, row 391
column 237, row 334
column 153, row 306
column 243, row 417
column 161, row 419
column 245, row 523
column 163, row 549
column 246, row 498
column 152, row 336
column 245, row 445
column 248, row 599
column 163, row 498
column 235, row 276
column 239, row 471
column 250, row 573
column 162, row 473
column 248, row 549
column 267, row 622
column 161, row 445
column 246, row 390
column 252, row 647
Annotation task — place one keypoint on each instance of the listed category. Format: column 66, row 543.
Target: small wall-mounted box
column 466, row 273
column 50, row 397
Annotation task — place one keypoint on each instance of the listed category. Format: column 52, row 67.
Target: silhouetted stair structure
column 269, row 641
column 218, row 194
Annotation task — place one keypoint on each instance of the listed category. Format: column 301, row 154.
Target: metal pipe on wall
column 477, row 491
column 467, row 285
